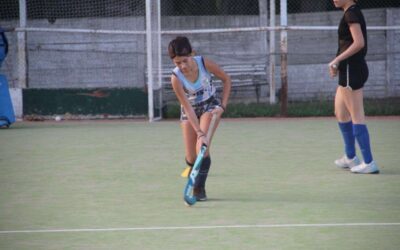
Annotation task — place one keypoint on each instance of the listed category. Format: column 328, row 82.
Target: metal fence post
column 21, row 37
column 272, row 85
column 284, row 50
column 149, row 61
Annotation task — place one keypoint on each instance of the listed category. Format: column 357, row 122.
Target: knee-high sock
column 362, row 136
column 203, row 173
column 348, row 137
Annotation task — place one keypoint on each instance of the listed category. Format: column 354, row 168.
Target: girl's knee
column 342, row 116
column 358, row 119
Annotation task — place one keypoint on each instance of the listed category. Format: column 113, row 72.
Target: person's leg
column 356, row 107
column 346, row 128
column 360, row 130
column 345, row 124
column 189, row 140
column 199, row 189
column 341, row 112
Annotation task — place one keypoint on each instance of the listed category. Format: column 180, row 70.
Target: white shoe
column 345, row 162
column 364, row 168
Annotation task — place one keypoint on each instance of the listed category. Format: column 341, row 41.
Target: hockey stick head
column 188, row 196
column 189, row 200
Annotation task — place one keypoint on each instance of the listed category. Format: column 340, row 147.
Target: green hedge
column 110, row 101
column 373, row 107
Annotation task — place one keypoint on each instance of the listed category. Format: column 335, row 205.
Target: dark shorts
column 201, row 108
column 353, row 75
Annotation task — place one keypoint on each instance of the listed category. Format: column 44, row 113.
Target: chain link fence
column 65, row 53
column 102, row 44
column 102, row 8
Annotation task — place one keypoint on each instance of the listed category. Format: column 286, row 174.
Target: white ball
column 58, row 118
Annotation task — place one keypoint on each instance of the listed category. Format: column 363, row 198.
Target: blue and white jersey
column 200, row 90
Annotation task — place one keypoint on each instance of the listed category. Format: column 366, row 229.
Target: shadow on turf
column 231, row 200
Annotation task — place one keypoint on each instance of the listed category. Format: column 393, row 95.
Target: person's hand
column 333, row 68
column 201, row 139
column 218, row 111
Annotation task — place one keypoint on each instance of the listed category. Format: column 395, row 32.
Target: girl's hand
column 201, row 139
column 333, row 68
column 218, row 111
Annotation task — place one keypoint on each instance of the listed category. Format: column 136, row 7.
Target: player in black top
column 349, row 64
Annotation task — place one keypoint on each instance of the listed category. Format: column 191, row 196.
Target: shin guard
column 362, row 136
column 203, row 173
column 348, row 137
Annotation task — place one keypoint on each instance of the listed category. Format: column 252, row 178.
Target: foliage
column 373, row 107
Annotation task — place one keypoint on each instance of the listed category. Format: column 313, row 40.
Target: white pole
column 149, row 61
column 159, row 53
column 263, row 13
column 284, row 50
column 390, row 38
column 199, row 31
column 21, row 39
column 272, row 85
column 159, row 40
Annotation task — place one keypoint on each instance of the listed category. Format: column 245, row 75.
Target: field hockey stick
column 188, row 196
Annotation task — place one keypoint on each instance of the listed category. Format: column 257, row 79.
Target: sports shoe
column 200, row 194
column 346, row 163
column 363, row 168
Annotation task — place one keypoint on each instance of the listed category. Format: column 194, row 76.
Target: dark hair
column 180, row 46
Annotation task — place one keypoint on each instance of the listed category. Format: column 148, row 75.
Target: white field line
column 372, row 224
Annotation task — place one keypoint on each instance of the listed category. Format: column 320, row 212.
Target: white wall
column 75, row 60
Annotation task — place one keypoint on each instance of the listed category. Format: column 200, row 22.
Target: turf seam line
column 200, row 227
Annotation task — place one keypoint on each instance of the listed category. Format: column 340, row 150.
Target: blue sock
column 362, row 136
column 349, row 140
